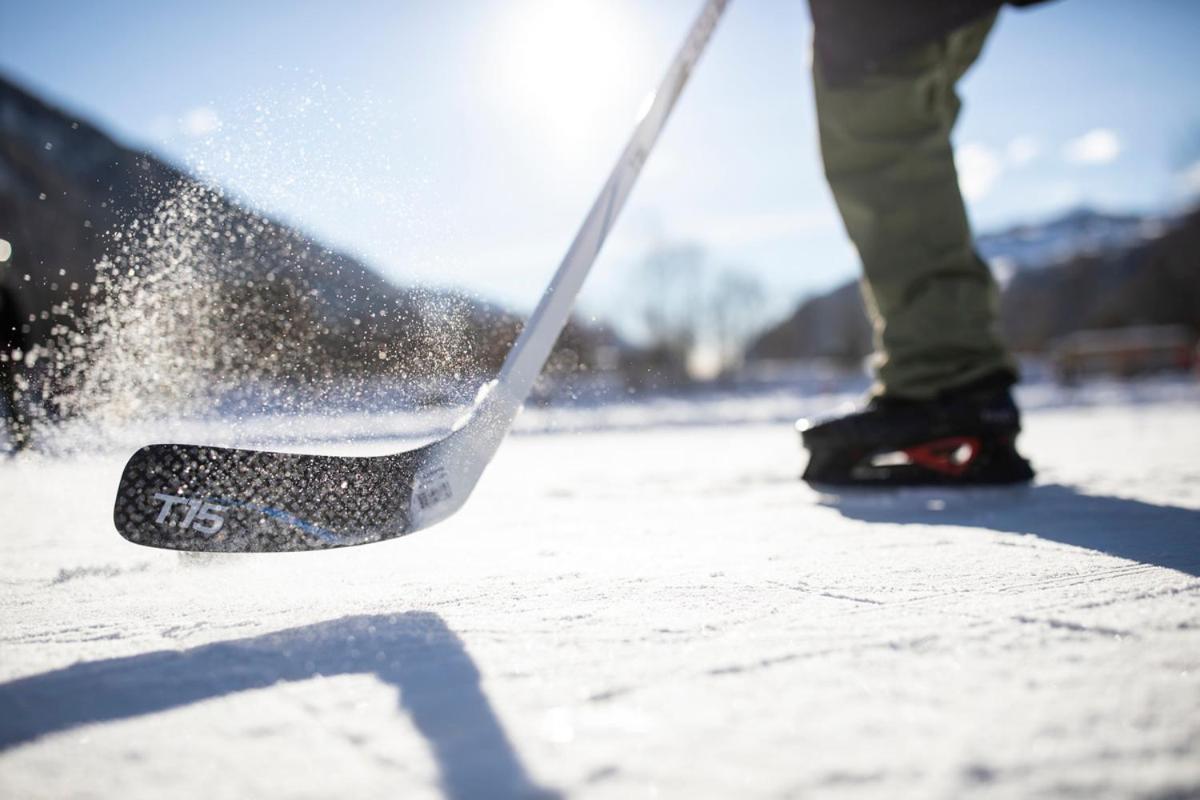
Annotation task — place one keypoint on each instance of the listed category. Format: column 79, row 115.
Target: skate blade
column 956, row 461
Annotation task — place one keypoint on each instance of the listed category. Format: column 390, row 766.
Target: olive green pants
column 885, row 140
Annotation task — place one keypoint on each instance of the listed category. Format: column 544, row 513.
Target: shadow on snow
column 1160, row 535
column 438, row 684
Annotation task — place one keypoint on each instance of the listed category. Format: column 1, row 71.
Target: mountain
column 1081, row 271
column 127, row 272
column 1151, row 281
column 1081, row 232
column 831, row 326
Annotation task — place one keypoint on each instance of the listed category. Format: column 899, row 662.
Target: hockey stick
column 188, row 497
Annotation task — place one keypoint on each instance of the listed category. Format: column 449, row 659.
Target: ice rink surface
column 656, row 610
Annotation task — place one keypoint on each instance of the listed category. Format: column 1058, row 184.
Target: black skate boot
column 964, row 436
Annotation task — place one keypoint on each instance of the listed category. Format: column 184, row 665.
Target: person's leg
column 885, row 140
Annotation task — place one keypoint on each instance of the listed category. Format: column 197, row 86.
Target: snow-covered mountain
column 1084, row 231
column 1085, row 269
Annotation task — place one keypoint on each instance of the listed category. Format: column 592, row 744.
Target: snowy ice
column 634, row 604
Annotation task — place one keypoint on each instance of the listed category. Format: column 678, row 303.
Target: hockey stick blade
column 188, row 497
column 217, row 499
column 193, row 498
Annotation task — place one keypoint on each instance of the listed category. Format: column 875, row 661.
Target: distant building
column 1125, row 352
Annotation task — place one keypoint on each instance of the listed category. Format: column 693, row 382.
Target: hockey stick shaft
column 187, row 497
column 453, row 465
column 541, row 331
column 458, row 461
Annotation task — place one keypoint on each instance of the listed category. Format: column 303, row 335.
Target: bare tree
column 735, row 307
column 669, row 304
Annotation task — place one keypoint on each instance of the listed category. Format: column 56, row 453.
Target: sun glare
column 563, row 66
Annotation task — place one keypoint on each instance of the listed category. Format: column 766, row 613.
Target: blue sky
column 460, row 143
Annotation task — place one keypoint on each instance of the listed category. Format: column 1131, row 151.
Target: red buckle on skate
column 950, row 456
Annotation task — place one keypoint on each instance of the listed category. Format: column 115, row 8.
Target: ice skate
column 965, row 437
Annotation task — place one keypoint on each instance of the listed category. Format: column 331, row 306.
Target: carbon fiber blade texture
column 187, row 497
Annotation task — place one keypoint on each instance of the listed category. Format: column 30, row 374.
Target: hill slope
column 1078, row 272
column 132, row 278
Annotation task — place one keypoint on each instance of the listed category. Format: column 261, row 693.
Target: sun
column 563, row 65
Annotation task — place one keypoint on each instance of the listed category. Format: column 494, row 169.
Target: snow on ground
column 654, row 610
